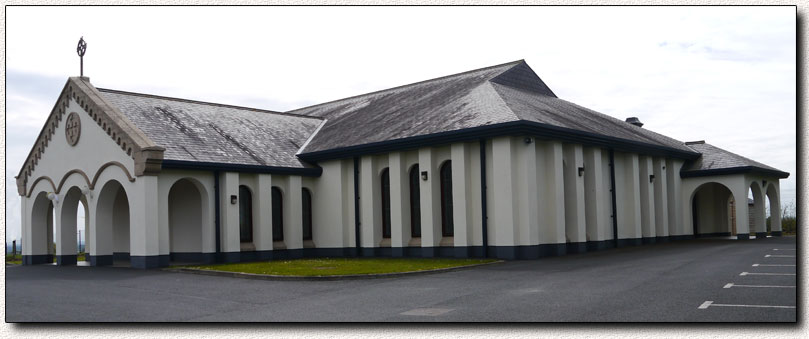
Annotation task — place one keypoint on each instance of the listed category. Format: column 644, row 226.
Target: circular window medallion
column 72, row 128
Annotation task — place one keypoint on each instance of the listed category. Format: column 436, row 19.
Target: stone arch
column 112, row 220
column 757, row 219
column 710, row 211
column 187, row 205
column 775, row 209
column 41, row 231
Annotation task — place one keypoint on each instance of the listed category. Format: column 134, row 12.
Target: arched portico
column 710, row 212
column 775, row 209
column 38, row 248
column 66, row 228
column 112, row 229
column 186, row 202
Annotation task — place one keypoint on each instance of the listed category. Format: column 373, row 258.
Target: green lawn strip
column 342, row 266
column 14, row 259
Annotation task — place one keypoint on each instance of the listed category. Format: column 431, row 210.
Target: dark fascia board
column 522, row 127
column 214, row 166
column 733, row 170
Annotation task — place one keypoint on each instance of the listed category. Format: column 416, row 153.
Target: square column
column 661, row 198
column 675, row 192
column 370, row 205
column 229, row 217
column 647, row 195
column 430, row 191
column 550, row 178
column 575, row 223
column 775, row 205
column 526, row 194
column 262, row 227
column 742, row 217
column 293, row 215
column 627, row 178
column 504, row 212
column 399, row 204
column 597, row 209
column 459, row 154
column 143, row 225
column 65, row 236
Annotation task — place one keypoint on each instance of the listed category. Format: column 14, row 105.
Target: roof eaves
column 733, row 170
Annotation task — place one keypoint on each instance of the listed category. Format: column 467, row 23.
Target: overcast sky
column 725, row 75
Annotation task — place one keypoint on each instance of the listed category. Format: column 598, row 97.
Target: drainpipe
column 485, row 218
column 612, row 193
column 357, row 205
column 216, row 215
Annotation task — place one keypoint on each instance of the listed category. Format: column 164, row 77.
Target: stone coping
column 320, row 277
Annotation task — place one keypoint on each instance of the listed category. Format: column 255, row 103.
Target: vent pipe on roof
column 634, row 121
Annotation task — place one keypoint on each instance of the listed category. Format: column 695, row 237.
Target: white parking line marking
column 783, row 249
column 729, row 285
column 756, row 265
column 749, row 273
column 710, row 303
column 431, row 312
column 778, row 256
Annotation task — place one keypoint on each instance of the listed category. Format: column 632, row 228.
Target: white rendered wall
column 661, row 197
column 596, row 195
column 550, row 184
column 627, row 195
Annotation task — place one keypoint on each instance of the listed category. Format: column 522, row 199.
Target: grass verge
column 342, row 266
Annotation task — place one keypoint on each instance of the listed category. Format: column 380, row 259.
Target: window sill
column 308, row 244
column 247, row 246
column 414, row 242
column 385, row 242
column 447, row 241
column 278, row 245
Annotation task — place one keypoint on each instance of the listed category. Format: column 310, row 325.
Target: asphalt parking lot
column 702, row 280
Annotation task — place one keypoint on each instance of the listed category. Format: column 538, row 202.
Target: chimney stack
column 634, row 121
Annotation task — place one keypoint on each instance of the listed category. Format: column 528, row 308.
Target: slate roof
column 504, row 93
column 715, row 159
column 213, row 133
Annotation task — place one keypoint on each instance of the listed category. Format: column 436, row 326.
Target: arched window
column 447, row 227
column 307, row 213
column 277, row 215
column 415, row 203
column 245, row 214
column 385, row 203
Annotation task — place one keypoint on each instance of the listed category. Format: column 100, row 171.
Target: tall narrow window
column 245, row 214
column 385, row 203
column 447, row 227
column 307, row 214
column 277, row 215
column 415, row 203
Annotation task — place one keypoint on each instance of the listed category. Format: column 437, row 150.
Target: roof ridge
column 516, row 62
column 259, row 110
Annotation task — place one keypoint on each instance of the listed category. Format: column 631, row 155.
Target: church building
column 485, row 163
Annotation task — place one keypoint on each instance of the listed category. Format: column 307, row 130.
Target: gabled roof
column 504, row 95
column 717, row 161
column 201, row 132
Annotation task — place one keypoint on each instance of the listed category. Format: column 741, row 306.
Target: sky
column 723, row 75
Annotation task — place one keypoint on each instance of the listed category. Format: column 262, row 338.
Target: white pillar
column 595, row 206
column 528, row 196
column 661, row 198
column 229, row 216
column 370, row 204
column 628, row 196
column 647, row 195
column 575, row 224
column 504, row 212
column 674, row 191
column 742, row 218
column 262, row 225
column 143, row 224
column 293, row 214
column 430, row 191
column 775, row 207
column 551, row 185
column 399, row 203
column 459, row 154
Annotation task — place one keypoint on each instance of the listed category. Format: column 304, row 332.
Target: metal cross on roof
column 80, row 49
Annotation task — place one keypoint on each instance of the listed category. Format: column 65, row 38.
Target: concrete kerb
column 321, row 277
